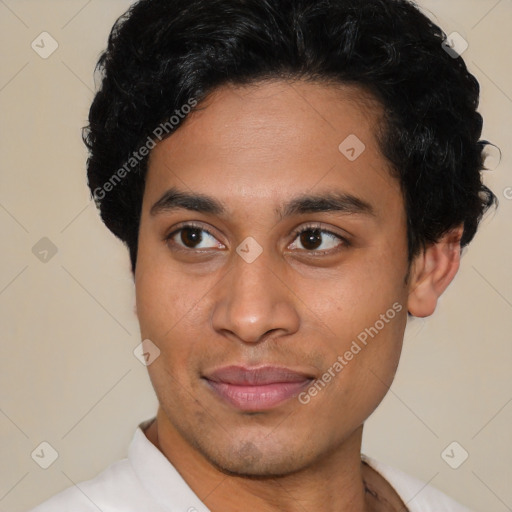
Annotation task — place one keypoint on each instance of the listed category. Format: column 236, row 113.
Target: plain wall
column 68, row 375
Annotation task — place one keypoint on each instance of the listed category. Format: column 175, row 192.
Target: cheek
column 173, row 312
column 158, row 304
column 354, row 297
column 168, row 295
column 165, row 312
column 363, row 315
column 164, row 295
column 366, row 364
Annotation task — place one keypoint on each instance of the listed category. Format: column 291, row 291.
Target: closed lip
column 256, row 376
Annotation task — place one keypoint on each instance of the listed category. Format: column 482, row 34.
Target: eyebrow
column 174, row 199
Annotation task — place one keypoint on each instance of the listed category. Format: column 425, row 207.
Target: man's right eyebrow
column 174, row 199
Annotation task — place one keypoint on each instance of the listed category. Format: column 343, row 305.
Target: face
column 270, row 274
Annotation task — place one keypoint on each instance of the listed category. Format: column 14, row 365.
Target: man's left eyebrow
column 330, row 202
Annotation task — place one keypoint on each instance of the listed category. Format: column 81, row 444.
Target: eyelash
column 296, row 233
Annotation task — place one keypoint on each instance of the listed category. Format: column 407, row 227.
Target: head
column 291, row 178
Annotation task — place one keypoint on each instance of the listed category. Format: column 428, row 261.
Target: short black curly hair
column 164, row 54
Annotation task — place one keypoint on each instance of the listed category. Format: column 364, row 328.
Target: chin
column 251, row 461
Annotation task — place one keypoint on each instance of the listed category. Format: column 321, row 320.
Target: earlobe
column 432, row 271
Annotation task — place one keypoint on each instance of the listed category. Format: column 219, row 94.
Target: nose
column 253, row 303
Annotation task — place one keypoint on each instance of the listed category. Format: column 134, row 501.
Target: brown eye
column 311, row 239
column 317, row 240
column 190, row 237
column 193, row 237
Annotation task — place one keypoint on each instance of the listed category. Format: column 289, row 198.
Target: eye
column 316, row 239
column 312, row 239
column 194, row 237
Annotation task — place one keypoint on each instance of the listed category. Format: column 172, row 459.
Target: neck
column 333, row 484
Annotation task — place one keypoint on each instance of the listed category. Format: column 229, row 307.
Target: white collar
column 159, row 477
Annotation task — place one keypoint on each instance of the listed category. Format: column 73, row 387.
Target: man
column 292, row 178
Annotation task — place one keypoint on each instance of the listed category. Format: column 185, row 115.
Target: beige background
column 68, row 375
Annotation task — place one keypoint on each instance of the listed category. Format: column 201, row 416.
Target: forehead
column 275, row 139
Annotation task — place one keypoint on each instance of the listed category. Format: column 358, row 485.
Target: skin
column 254, row 149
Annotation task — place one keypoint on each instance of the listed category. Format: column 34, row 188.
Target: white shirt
column 147, row 482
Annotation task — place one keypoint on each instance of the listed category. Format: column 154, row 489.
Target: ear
column 432, row 271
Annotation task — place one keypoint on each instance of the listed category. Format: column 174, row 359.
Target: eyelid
column 187, row 224
column 320, row 227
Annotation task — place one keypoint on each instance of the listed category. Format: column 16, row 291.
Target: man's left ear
column 432, row 271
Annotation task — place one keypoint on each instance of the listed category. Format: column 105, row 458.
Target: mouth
column 256, row 389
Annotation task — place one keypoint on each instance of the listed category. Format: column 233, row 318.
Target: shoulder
column 417, row 495
column 117, row 488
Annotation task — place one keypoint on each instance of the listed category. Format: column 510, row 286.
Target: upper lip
column 243, row 376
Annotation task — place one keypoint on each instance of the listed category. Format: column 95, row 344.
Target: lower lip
column 257, row 398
